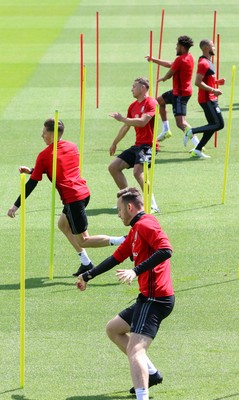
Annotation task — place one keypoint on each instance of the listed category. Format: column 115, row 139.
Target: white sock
column 165, row 126
column 142, row 394
column 153, row 202
column 85, row 260
column 151, row 368
column 195, row 140
column 116, row 240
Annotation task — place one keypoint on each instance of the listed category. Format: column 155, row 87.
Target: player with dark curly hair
column 181, row 71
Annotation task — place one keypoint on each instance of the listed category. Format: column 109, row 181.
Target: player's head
column 140, row 87
column 50, row 123
column 48, row 130
column 183, row 45
column 129, row 204
column 207, row 46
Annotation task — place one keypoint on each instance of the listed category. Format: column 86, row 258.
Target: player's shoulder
column 203, row 61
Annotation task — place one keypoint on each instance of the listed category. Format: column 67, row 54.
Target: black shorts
column 145, row 316
column 76, row 215
column 179, row 103
column 137, row 155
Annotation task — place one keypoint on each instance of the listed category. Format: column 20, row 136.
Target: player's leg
column 73, row 223
column 117, row 330
column 144, row 154
column 145, row 323
column 136, row 352
column 163, row 100
column 116, row 168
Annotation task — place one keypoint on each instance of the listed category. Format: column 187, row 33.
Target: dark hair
column 204, row 42
column 131, row 195
column 185, row 41
column 50, row 123
column 143, row 81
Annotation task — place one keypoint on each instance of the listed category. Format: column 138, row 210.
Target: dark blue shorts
column 146, row 315
column 137, row 155
column 76, row 215
column 179, row 103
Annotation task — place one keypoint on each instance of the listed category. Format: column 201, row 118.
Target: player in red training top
column 134, row 328
column 207, row 97
column 73, row 190
column 141, row 116
column 181, row 70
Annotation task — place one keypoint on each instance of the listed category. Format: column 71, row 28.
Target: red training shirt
column 144, row 238
column 182, row 79
column 144, row 135
column 207, row 70
column 69, row 184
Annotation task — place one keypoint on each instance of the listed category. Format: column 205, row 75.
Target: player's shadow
column 234, row 107
column 45, row 282
column 207, row 285
column 109, row 396
column 230, row 396
column 36, row 283
column 91, row 212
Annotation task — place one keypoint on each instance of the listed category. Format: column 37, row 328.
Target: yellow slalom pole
column 151, row 173
column 228, row 134
column 150, row 64
column 146, row 187
column 82, row 122
column 22, row 282
column 53, row 195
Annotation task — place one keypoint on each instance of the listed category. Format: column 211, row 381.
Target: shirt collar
column 136, row 218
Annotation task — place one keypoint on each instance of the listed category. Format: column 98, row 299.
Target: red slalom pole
column 81, row 71
column 217, row 76
column 97, row 59
column 214, row 30
column 160, row 50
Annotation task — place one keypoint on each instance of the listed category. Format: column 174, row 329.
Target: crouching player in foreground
column 134, row 328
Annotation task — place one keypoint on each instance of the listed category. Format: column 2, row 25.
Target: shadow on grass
column 45, row 282
column 178, row 160
column 109, row 396
column 192, row 209
column 230, row 396
column 204, row 286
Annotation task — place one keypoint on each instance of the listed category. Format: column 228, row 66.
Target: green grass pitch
column 67, row 353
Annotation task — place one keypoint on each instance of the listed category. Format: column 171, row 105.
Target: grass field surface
column 68, row 356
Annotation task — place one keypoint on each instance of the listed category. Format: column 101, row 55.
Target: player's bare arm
column 199, row 83
column 121, row 134
column 167, row 76
column 163, row 63
column 140, row 122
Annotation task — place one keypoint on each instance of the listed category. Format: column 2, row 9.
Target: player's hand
column 221, row 81
column 148, row 58
column 125, row 275
column 116, row 116
column 217, row 92
column 112, row 149
column 12, row 211
column 24, row 170
column 80, row 283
